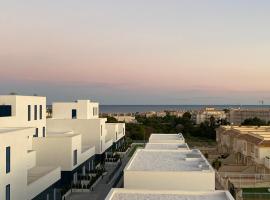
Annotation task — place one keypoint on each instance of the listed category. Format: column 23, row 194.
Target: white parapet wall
column 166, row 138
column 169, row 170
column 127, row 194
column 167, row 146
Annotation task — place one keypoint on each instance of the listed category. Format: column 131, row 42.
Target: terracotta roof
column 251, row 139
column 231, row 133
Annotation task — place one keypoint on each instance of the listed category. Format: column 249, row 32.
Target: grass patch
column 256, row 193
column 200, row 142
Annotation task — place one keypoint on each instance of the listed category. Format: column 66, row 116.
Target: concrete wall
column 157, row 180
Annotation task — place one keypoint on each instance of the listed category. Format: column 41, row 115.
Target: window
column 5, row 110
column 36, row 134
column 7, row 160
column 116, row 135
column 101, row 146
column 95, row 111
column 40, row 111
column 29, row 112
column 8, row 192
column 252, row 148
column 101, row 130
column 44, row 131
column 256, row 153
column 35, row 114
column 75, row 157
column 74, row 113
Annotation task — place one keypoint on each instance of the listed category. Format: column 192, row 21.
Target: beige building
column 238, row 116
column 207, row 113
column 250, row 145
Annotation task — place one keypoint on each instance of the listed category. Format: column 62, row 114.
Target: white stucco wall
column 90, row 129
column 17, row 178
column 63, row 110
column 19, row 116
column 60, row 151
column 156, row 180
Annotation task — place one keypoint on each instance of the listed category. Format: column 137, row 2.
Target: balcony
column 41, row 178
column 108, row 144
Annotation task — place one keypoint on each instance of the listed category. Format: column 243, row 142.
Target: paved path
column 102, row 188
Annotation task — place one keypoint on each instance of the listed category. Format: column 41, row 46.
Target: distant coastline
column 145, row 108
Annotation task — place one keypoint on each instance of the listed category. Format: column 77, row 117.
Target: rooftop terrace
column 125, row 194
column 168, row 160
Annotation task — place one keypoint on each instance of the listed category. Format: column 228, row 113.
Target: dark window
column 5, row 110
column 40, row 111
column 8, row 192
column 29, row 112
column 7, row 160
column 75, row 157
column 35, row 114
column 100, row 146
column 36, row 134
column 74, row 113
column 101, row 130
column 116, row 135
column 44, row 131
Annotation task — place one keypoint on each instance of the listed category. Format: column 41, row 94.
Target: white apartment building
column 22, row 120
column 24, row 111
column 81, row 117
column 167, row 138
column 129, row 194
column 116, row 131
column 207, row 113
column 165, row 170
column 238, row 116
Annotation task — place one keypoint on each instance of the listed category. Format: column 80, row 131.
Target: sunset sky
column 137, row 52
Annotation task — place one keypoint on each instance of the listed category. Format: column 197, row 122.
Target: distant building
column 238, row 116
column 127, row 119
column 207, row 113
column 175, row 113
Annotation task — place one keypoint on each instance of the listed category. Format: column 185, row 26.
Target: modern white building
column 78, row 138
column 24, row 111
column 22, row 120
column 167, row 138
column 116, row 131
column 128, row 194
column 169, row 170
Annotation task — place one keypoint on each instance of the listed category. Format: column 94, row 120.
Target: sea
column 145, row 108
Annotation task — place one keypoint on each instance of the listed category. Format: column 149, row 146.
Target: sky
column 137, row 52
